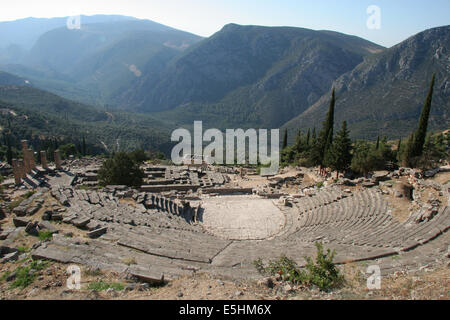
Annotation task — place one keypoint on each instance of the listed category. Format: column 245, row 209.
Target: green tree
column 385, row 153
column 68, row 150
column 434, row 149
column 139, row 156
column 121, row 170
column 299, row 142
column 288, row 155
column 366, row 158
column 399, row 150
column 308, row 138
column 302, row 143
column 9, row 154
column 83, row 150
column 285, row 139
column 314, row 155
column 407, row 154
column 326, row 134
column 421, row 133
column 447, row 137
column 338, row 156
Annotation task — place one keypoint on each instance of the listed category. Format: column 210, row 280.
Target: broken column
column 31, row 161
column 22, row 168
column 24, row 144
column 44, row 162
column 58, row 160
column 16, row 171
column 26, row 156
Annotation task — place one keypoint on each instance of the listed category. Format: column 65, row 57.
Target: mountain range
column 36, row 115
column 240, row 77
column 385, row 94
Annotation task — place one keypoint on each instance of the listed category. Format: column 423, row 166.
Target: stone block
column 48, row 226
column 81, row 222
column 32, row 228
column 13, row 256
column 21, row 222
column 97, row 233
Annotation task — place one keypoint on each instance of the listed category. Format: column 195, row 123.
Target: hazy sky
column 399, row 19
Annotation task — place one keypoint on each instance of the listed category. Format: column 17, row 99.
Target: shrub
column 44, row 235
column 29, row 194
column 23, row 249
column 259, row 265
column 366, row 158
column 25, row 275
column 321, row 272
column 14, row 204
column 287, row 269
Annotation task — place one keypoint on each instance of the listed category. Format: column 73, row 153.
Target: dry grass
column 51, row 284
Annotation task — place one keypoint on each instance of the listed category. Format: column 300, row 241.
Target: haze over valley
column 240, row 77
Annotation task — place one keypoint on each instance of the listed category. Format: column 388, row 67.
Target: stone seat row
column 354, row 215
column 347, row 209
column 321, row 198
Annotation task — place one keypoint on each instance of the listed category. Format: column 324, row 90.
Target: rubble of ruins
column 219, row 220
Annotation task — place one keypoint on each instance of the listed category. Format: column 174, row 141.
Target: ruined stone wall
column 175, row 207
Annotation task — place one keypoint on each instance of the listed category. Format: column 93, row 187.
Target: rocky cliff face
column 274, row 73
column 384, row 94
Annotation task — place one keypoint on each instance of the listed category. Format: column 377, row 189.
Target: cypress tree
column 421, row 133
column 399, row 152
column 408, row 153
column 314, row 156
column 9, row 155
column 285, row 139
column 308, row 137
column 329, row 143
column 378, row 143
column 326, row 134
column 299, row 142
column 84, row 147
